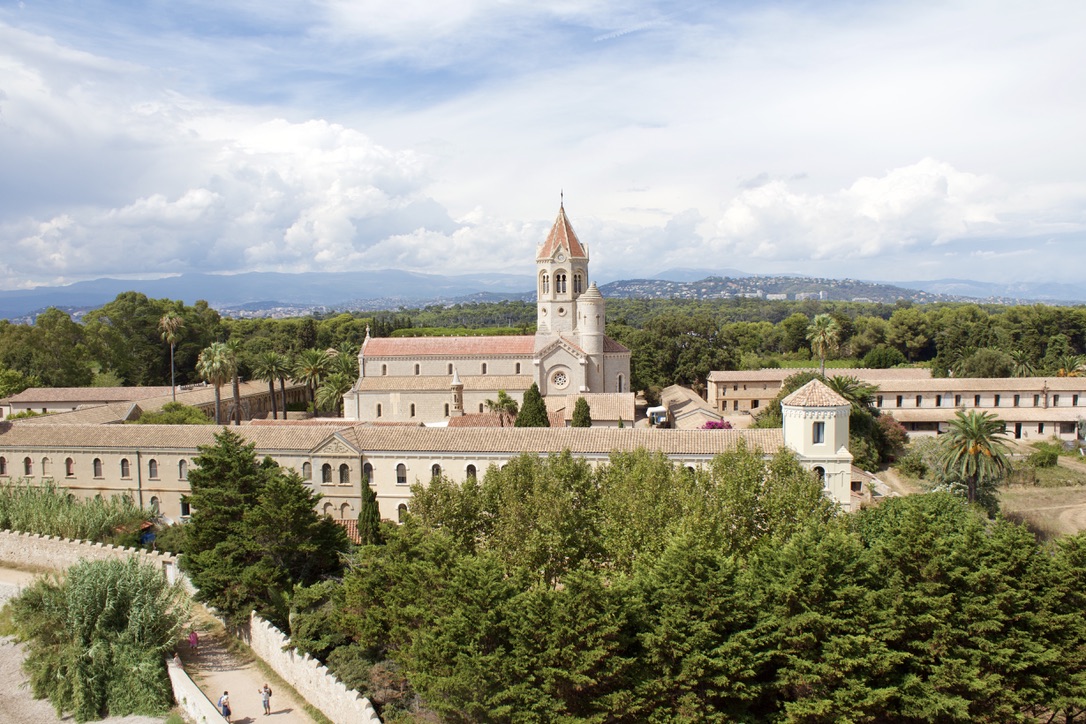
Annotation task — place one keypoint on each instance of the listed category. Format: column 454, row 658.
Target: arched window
column 412, row 409
column 152, row 468
column 378, row 409
column 401, row 512
column 367, row 473
column 3, row 466
column 450, row 368
column 328, row 508
column 518, row 368
column 183, row 470
column 472, row 472
column 820, row 472
column 69, row 467
column 560, row 283
column 28, row 466
column 46, row 467
column 96, row 467
column 154, row 504
column 307, row 471
column 435, row 471
column 384, row 370
column 484, row 368
column 545, row 284
column 621, row 383
column 345, row 512
column 401, row 474
column 578, row 284
column 126, row 468
column 326, row 473
column 446, row 409
column 480, row 408
column 344, row 474
column 418, row 369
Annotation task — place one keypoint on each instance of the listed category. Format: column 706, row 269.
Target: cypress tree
column 533, row 413
column 582, row 414
column 369, row 518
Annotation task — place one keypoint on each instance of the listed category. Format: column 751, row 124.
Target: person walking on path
column 194, row 641
column 265, row 699
column 224, row 705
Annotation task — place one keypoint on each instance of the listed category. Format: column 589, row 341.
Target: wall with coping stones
column 307, row 675
column 189, row 697
column 56, row 553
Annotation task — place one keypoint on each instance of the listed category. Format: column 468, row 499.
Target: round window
column 561, row 311
column 559, row 379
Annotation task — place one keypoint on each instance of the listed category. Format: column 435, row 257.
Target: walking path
column 215, row 668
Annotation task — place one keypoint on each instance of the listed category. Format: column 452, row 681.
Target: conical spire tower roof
column 562, row 237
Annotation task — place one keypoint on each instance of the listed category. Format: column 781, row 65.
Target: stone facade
column 429, row 380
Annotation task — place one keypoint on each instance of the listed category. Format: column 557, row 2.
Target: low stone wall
column 308, row 676
column 199, row 708
column 58, row 554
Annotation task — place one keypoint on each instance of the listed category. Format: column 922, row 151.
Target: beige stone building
column 151, row 462
column 430, row 380
column 1033, row 408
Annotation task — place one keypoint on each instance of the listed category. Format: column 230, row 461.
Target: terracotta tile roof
column 414, row 347
column 1002, row 385
column 687, row 408
column 593, row 440
column 610, row 346
column 814, row 394
column 602, row 406
column 864, row 374
column 111, row 414
column 562, row 236
column 268, row 439
column 351, row 526
column 443, row 383
column 491, row 419
column 86, row 395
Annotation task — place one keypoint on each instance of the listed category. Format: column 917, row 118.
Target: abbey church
column 432, row 380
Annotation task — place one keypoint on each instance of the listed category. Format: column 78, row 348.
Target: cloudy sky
column 877, row 140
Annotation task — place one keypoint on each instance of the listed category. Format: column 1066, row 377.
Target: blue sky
column 877, row 140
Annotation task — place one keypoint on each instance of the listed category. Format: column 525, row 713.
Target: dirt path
column 215, row 668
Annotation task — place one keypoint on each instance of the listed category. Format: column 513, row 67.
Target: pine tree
column 369, row 518
column 582, row 414
column 533, row 413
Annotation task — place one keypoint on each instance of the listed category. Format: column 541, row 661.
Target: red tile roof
column 519, row 345
column 562, row 236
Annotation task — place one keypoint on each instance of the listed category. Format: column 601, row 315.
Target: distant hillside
column 271, row 294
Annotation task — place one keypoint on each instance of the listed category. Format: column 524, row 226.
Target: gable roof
column 87, row 395
column 563, row 237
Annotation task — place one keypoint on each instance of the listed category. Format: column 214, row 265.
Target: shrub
column 717, row 425
column 49, row 510
column 883, row 357
column 1045, row 457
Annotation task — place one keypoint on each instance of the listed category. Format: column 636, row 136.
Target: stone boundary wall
column 56, row 553
column 307, row 675
column 195, row 704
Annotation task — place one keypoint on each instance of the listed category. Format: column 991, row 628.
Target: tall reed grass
column 50, row 510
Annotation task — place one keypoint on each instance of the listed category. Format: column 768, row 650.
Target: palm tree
column 505, row 406
column 823, row 334
column 288, row 369
column 1023, row 363
column 271, row 366
column 1069, row 365
column 332, row 389
column 860, row 395
column 310, row 367
column 233, row 348
column 974, row 449
column 344, row 359
column 213, row 364
column 171, row 325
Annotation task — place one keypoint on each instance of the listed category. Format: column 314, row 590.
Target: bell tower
column 561, row 278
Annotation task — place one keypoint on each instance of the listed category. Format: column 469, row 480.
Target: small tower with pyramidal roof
column 815, row 422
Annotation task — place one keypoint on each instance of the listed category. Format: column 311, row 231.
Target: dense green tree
column 533, row 413
column 910, row 332
column 883, row 357
column 175, row 413
column 582, row 414
column 986, row 362
column 369, row 518
column 12, row 382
